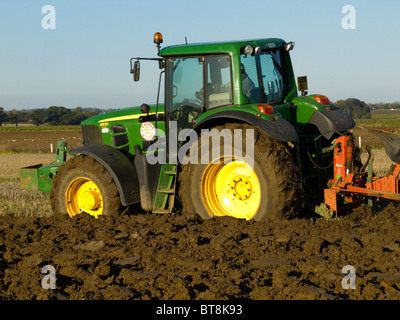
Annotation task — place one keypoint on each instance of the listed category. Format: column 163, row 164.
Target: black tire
column 279, row 182
column 105, row 198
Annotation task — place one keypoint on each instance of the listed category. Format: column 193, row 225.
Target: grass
column 8, row 151
column 382, row 118
column 379, row 122
column 386, row 115
column 39, row 128
column 24, row 203
column 15, row 201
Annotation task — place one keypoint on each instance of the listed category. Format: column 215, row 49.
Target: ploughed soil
column 37, row 141
column 148, row 256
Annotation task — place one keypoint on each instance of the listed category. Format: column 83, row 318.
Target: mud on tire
column 278, row 175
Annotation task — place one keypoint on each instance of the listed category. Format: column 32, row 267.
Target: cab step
column 165, row 195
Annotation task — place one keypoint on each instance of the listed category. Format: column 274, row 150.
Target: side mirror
column 136, row 70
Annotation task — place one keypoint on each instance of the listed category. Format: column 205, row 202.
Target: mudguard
column 331, row 121
column 280, row 130
column 120, row 168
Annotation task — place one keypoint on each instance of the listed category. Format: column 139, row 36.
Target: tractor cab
column 240, row 78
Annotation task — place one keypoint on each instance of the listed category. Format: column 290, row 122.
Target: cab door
column 194, row 85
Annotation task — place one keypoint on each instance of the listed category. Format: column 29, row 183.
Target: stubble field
column 147, row 256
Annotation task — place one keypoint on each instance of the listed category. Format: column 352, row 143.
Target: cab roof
column 229, row 47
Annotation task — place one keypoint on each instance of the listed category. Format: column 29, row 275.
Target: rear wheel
column 83, row 185
column 228, row 185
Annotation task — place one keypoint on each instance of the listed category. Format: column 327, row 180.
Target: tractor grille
column 91, row 134
column 120, row 140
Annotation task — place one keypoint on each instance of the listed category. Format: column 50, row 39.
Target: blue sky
column 85, row 60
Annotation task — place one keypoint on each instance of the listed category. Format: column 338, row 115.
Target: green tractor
column 232, row 138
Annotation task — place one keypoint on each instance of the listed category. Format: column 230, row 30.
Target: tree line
column 361, row 110
column 53, row 115
column 385, row 106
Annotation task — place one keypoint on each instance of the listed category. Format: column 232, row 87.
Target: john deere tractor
column 237, row 98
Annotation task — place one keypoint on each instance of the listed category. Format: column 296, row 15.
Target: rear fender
column 120, row 168
column 331, row 121
column 280, row 130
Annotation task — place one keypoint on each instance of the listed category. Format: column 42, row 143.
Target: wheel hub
column 240, row 188
column 89, row 200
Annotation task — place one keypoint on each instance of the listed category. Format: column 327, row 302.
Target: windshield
column 263, row 77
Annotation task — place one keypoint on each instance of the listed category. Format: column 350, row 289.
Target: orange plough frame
column 356, row 187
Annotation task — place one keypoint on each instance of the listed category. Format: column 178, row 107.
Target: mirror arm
column 135, row 67
column 149, row 59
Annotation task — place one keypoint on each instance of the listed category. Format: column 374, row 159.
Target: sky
column 84, row 60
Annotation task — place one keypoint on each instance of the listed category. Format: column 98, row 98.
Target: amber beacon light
column 158, row 39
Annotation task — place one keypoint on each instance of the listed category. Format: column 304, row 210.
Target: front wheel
column 83, row 185
column 229, row 186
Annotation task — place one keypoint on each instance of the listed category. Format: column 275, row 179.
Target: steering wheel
column 184, row 109
column 187, row 106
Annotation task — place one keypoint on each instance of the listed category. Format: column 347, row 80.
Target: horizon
column 79, row 54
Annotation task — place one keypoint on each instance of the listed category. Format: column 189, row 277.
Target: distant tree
column 3, row 116
column 77, row 116
column 38, row 116
column 91, row 112
column 55, row 113
column 15, row 116
column 356, row 108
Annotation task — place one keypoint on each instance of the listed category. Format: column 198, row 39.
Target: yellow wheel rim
column 231, row 189
column 83, row 195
